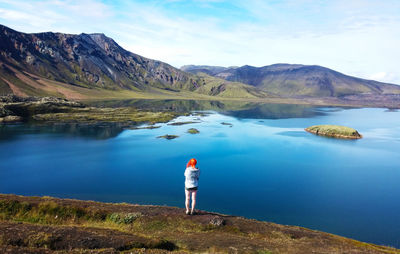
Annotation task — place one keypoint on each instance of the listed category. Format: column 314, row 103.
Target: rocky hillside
column 51, row 225
column 88, row 60
column 78, row 66
column 295, row 80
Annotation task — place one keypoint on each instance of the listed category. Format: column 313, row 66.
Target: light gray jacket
column 192, row 177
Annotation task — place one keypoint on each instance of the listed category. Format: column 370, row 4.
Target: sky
column 356, row 37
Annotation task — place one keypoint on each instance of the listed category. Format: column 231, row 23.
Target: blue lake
column 264, row 166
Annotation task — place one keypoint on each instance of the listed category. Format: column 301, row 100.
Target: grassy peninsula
column 57, row 110
column 334, row 131
column 52, row 225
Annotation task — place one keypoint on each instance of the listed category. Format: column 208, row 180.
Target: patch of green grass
column 13, row 207
column 48, row 212
column 156, row 225
column 121, row 218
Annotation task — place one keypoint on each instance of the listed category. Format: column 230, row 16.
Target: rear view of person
column 192, row 175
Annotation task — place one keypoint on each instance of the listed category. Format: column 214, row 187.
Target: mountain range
column 296, row 80
column 88, row 65
column 94, row 66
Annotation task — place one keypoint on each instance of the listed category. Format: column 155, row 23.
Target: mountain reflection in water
column 238, row 109
column 103, row 131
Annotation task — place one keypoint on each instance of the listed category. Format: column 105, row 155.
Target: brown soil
column 161, row 229
column 15, row 89
column 52, row 87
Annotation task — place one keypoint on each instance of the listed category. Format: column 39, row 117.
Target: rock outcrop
column 88, row 60
column 16, row 109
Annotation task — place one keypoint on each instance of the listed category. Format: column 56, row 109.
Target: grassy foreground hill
column 52, row 225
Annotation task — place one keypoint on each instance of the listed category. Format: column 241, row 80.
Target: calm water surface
column 265, row 166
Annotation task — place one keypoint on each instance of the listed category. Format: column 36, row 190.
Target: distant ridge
column 294, row 80
column 210, row 70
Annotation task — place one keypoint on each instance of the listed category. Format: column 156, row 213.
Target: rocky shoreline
column 18, row 109
column 58, row 110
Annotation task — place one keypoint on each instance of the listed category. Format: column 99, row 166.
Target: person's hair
column 192, row 163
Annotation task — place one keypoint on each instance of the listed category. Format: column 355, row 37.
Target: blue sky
column 356, row 37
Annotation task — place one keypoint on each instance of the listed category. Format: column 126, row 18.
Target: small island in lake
column 167, row 136
column 193, row 131
column 182, row 123
column 229, row 124
column 334, row 131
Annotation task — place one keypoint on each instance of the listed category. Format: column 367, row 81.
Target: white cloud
column 378, row 76
column 384, row 76
column 84, row 8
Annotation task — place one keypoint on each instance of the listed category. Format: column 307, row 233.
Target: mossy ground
column 51, row 225
column 334, row 131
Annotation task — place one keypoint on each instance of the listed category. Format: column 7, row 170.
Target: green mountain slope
column 215, row 87
column 294, row 80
